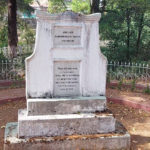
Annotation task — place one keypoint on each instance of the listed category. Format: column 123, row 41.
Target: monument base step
column 60, row 125
column 66, row 105
column 119, row 140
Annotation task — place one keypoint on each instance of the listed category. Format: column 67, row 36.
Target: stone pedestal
column 95, row 129
column 118, row 140
column 76, row 105
column 60, row 125
column 65, row 116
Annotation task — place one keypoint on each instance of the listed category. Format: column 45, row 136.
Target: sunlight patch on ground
column 134, row 98
column 140, row 129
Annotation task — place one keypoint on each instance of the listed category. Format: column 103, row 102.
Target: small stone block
column 60, row 125
column 119, row 140
column 66, row 105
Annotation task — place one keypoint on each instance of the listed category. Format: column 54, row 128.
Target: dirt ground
column 136, row 121
column 127, row 94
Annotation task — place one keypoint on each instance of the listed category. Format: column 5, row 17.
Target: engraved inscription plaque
column 66, row 78
column 67, row 36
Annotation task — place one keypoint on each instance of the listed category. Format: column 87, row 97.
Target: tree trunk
column 128, row 33
column 140, row 28
column 95, row 6
column 12, row 28
column 103, row 5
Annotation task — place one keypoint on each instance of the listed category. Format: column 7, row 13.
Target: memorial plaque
column 66, row 78
column 67, row 36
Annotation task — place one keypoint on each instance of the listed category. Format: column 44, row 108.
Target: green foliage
column 56, row 6
column 81, row 6
column 26, row 33
column 2, row 57
column 125, row 25
column 4, row 35
column 108, row 78
column 2, row 9
column 3, row 24
column 23, row 6
column 120, row 84
column 133, row 84
column 147, row 90
column 27, row 36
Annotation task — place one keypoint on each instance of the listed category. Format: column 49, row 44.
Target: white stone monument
column 65, row 90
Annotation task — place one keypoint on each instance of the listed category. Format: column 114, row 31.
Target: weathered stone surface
column 66, row 78
column 120, row 140
column 66, row 37
column 60, row 125
column 66, row 105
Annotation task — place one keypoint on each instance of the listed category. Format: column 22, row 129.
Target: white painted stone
column 60, row 125
column 83, row 47
column 109, row 141
column 66, row 78
column 67, row 36
column 66, row 106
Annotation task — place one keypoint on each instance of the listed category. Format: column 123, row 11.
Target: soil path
column 11, row 94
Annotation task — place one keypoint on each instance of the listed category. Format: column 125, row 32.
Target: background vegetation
column 124, row 25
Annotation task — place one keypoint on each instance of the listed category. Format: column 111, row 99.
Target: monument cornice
column 67, row 15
